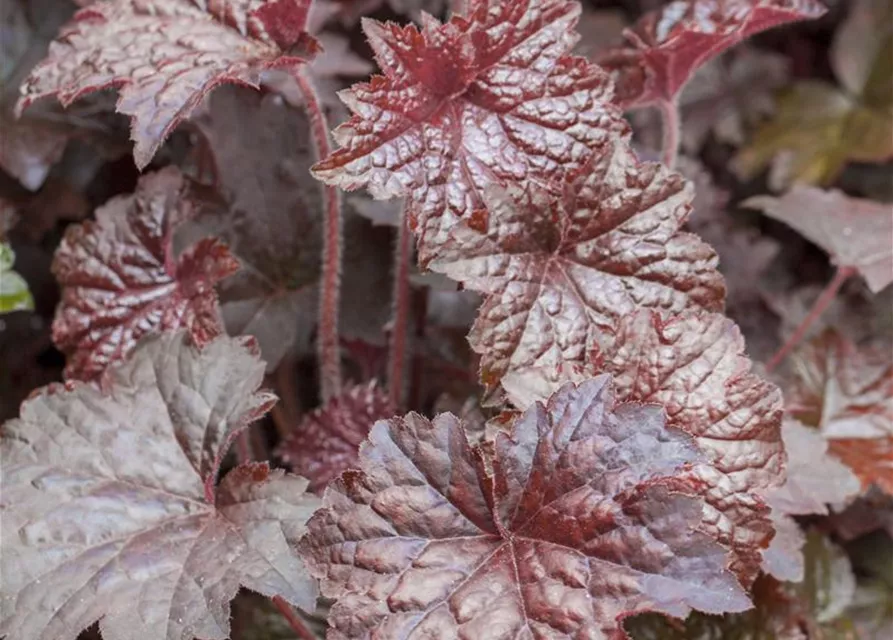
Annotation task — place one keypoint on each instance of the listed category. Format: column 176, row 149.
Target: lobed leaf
column 326, row 442
column 110, row 509
column 164, row 56
column 120, row 279
column 270, row 217
column 854, row 231
column 693, row 365
column 558, row 273
column 587, row 517
column 485, row 99
column 870, row 458
column 667, row 45
column 845, row 391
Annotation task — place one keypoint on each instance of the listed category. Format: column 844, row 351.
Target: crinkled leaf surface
column 695, row 367
column 165, row 55
column 814, row 480
column 485, row 99
column 667, row 46
column 110, row 510
column 559, row 272
column 586, row 518
column 854, row 231
column 120, row 279
column 14, row 293
column 844, row 390
column 820, row 127
column 327, row 441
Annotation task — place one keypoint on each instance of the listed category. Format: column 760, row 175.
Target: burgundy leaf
column 326, row 441
column 559, row 273
column 29, row 149
column 845, row 391
column 854, row 231
column 262, row 154
column 486, row 99
column 165, row 55
column 694, row 366
column 870, row 458
column 120, row 279
column 110, row 509
column 730, row 94
column 667, row 46
column 814, row 480
column 587, row 517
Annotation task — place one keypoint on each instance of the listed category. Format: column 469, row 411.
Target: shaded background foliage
column 248, row 154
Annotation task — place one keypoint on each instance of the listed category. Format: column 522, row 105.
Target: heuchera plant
column 614, row 465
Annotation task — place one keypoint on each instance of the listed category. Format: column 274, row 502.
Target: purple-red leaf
column 270, row 219
column 110, row 510
column 581, row 516
column 854, row 231
column 120, row 279
column 694, row 366
column 165, row 55
column 558, row 273
column 668, row 45
column 486, row 99
column 326, row 442
column 847, row 392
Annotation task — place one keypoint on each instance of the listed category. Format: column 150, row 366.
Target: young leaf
column 120, row 279
column 814, row 479
column 820, row 127
column 558, row 273
column 485, row 99
column 14, row 293
column 110, row 509
column 326, row 442
column 587, row 516
column 164, row 56
column 855, row 232
column 667, row 46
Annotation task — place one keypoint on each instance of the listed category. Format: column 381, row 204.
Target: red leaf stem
column 401, row 310
column 330, row 294
column 818, row 308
